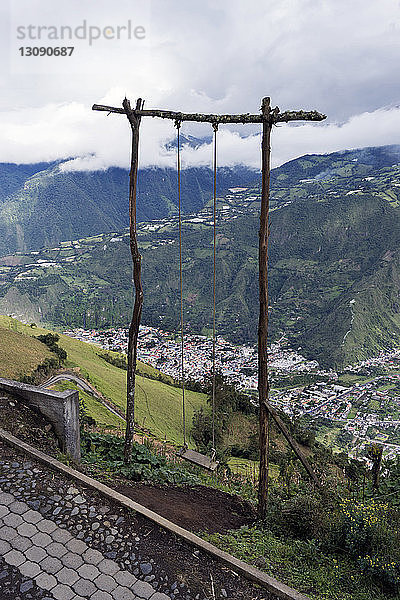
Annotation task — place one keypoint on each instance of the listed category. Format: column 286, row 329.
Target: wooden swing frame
column 268, row 118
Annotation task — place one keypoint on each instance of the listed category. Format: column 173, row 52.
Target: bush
column 108, row 450
column 41, row 370
column 251, row 452
column 306, row 517
column 84, row 418
column 202, row 430
column 50, row 340
column 369, row 535
column 116, row 361
column 384, row 572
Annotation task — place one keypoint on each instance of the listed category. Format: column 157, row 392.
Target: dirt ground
column 196, row 508
column 26, row 424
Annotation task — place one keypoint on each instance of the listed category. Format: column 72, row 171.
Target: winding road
column 84, row 386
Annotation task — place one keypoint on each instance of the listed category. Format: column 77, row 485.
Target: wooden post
column 263, row 384
column 136, row 259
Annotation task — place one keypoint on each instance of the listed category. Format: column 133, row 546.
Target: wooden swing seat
column 198, row 459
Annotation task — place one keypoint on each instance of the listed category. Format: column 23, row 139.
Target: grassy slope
column 17, row 356
column 103, row 417
column 158, row 405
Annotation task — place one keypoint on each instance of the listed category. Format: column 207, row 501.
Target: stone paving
column 60, row 563
column 61, row 540
column 57, row 542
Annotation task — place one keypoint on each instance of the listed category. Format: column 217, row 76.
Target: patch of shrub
column 50, row 340
column 116, row 361
column 145, row 465
column 305, row 516
column 43, row 369
column 382, row 571
column 368, row 533
column 84, row 418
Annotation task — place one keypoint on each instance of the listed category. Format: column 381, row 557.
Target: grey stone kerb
column 60, row 408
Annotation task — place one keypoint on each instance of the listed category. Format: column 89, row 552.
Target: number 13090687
column 46, row 50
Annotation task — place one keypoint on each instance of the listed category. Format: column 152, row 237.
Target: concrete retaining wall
column 60, row 408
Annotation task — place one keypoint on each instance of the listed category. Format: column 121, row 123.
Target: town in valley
column 349, row 409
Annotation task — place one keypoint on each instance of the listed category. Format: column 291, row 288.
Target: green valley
column 333, row 275
column 43, row 204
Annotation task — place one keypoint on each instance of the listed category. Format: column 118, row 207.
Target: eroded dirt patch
column 195, row 508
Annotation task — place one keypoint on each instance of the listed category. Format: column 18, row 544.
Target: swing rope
column 215, row 127
column 178, row 126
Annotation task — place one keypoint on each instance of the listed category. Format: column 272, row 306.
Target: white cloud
column 218, row 55
column 94, row 140
column 378, row 128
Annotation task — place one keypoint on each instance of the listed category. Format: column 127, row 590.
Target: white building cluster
column 162, row 350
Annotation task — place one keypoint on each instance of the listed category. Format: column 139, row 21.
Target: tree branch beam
column 275, row 116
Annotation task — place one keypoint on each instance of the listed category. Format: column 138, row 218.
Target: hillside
column 333, row 276
column 42, row 204
column 19, row 354
column 158, row 405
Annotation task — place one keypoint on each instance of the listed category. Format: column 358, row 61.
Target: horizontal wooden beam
column 299, row 115
column 275, row 115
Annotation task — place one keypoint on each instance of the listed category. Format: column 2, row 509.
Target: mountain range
column 43, row 204
column 334, row 256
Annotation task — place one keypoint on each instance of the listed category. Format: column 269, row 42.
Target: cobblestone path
column 59, row 562
column 64, row 543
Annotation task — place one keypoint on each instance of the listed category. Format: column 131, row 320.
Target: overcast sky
column 340, row 57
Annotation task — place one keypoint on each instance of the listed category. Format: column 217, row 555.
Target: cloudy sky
column 340, row 57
